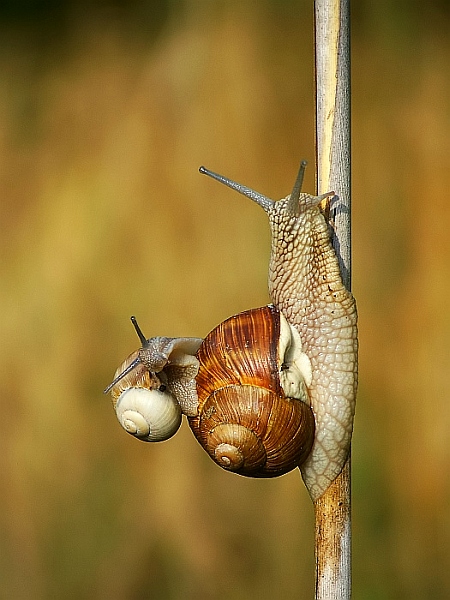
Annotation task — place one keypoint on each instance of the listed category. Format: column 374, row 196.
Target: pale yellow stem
column 333, row 508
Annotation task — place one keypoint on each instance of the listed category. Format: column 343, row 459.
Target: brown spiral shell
column 245, row 422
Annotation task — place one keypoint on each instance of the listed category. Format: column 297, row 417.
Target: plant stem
column 332, row 46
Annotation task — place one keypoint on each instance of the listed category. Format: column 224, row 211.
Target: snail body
column 324, row 314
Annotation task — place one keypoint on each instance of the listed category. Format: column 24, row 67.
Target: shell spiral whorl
column 245, row 422
column 143, row 406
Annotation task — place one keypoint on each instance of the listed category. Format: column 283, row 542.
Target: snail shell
column 246, row 420
column 143, row 405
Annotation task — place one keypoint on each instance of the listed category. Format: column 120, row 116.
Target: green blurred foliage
column 106, row 111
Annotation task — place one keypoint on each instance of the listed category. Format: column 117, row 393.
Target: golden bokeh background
column 106, row 111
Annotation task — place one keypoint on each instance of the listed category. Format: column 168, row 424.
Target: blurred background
column 107, row 109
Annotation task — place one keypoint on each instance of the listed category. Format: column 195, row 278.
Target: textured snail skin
column 174, row 359
column 306, row 285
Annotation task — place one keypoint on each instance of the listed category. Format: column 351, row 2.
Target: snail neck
column 302, row 264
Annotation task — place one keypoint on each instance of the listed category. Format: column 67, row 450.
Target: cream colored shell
column 144, row 406
column 149, row 415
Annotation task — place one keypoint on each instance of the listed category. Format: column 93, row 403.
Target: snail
column 254, row 416
column 149, row 400
column 286, row 372
column 305, row 284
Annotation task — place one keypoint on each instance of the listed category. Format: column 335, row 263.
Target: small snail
column 274, row 387
column 154, row 384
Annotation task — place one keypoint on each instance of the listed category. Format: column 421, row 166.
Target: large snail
column 272, row 388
